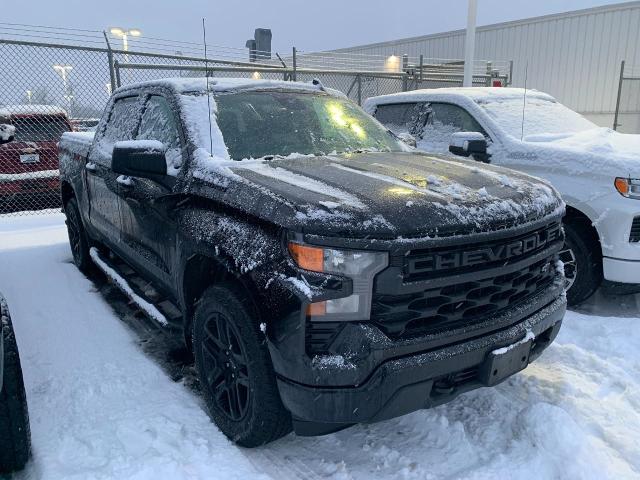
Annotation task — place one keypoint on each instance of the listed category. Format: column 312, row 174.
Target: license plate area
column 504, row 362
column 29, row 158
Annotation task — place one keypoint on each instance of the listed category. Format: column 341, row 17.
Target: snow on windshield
column 541, row 115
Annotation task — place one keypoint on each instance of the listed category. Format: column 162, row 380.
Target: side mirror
column 139, row 158
column 468, row 144
column 7, row 133
column 407, row 138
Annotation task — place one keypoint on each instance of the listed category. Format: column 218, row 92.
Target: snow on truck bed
column 77, row 142
column 102, row 409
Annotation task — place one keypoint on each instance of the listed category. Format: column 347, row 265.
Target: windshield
column 541, row 116
column 40, row 128
column 257, row 124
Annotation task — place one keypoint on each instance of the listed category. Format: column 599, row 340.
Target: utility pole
column 470, row 43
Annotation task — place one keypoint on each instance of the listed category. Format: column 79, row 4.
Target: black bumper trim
column 403, row 385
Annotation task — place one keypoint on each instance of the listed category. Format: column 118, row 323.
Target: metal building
column 574, row 56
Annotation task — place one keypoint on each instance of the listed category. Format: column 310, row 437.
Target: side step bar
column 162, row 311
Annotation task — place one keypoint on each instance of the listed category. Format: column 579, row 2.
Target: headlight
column 360, row 266
column 628, row 187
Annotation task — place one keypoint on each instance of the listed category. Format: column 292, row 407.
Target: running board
column 161, row 310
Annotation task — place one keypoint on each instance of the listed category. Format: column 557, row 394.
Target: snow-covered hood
column 600, row 150
column 388, row 195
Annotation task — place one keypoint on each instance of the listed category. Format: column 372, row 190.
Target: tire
column 238, row 382
column 583, row 262
column 15, row 436
column 78, row 239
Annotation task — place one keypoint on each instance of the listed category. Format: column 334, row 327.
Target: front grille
column 456, row 305
column 635, row 230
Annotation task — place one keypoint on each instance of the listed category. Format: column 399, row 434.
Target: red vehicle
column 29, row 176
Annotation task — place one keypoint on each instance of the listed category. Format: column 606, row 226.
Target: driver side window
column 454, row 118
column 444, row 120
column 159, row 123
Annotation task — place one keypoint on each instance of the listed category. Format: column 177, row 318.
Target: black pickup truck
column 322, row 272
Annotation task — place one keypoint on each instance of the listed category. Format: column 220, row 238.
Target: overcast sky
column 307, row 24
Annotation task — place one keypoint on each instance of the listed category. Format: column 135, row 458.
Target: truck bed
column 77, row 143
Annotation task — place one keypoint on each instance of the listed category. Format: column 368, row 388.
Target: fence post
column 359, row 89
column 112, row 76
column 489, row 74
column 421, row 66
column 615, row 116
column 510, row 82
column 295, row 65
column 116, row 67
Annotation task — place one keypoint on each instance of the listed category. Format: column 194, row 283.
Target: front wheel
column 15, row 438
column 582, row 264
column 234, row 368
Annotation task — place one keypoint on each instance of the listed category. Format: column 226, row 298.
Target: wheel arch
column 578, row 218
column 201, row 270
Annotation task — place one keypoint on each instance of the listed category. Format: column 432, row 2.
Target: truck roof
column 477, row 94
column 31, row 109
column 199, row 84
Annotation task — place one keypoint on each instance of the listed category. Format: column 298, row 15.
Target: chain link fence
column 627, row 113
column 47, row 89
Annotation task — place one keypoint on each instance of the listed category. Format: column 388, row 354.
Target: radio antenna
column 206, row 74
column 524, row 101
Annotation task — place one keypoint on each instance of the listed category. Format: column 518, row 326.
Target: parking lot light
column 124, row 35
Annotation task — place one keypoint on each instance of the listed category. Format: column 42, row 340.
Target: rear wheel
column 582, row 263
column 15, row 437
column 235, row 370
column 78, row 239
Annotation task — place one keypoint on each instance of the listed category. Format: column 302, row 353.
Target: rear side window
column 42, row 128
column 122, row 125
column 159, row 123
column 403, row 117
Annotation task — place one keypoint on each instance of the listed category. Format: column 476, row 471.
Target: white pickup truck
column 596, row 170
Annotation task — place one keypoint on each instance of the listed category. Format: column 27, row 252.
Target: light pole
column 470, row 43
column 63, row 71
column 124, row 35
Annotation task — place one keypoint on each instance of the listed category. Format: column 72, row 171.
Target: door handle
column 90, row 167
column 125, row 181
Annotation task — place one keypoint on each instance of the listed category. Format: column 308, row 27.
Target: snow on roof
column 199, row 84
column 477, row 94
column 32, row 109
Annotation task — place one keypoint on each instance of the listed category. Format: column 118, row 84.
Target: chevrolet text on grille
column 493, row 253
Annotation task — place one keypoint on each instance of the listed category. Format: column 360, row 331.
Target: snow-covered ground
column 105, row 405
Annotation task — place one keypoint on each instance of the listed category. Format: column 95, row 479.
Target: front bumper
column 405, row 384
column 621, row 270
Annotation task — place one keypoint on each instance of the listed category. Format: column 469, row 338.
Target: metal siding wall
column 574, row 57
